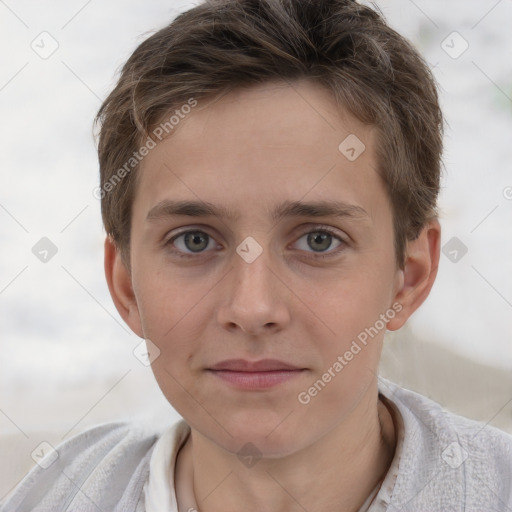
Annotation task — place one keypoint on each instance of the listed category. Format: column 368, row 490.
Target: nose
column 256, row 298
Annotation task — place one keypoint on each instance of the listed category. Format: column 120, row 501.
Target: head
column 261, row 113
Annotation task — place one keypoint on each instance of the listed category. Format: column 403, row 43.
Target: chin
column 271, row 437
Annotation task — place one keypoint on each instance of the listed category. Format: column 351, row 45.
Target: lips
column 264, row 365
column 255, row 375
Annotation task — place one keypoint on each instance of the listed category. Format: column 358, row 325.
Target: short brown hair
column 221, row 45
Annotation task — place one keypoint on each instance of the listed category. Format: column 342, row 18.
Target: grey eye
column 194, row 241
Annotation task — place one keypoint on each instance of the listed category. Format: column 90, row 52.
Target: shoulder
column 105, row 466
column 448, row 459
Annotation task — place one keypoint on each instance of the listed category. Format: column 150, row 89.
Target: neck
column 336, row 472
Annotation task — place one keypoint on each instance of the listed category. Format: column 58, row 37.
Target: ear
column 419, row 273
column 120, row 286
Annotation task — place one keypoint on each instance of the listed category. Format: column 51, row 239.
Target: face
column 263, row 278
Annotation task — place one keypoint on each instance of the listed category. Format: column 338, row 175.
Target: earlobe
column 419, row 274
column 120, row 286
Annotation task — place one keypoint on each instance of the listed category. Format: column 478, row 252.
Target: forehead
column 275, row 140
column 299, row 114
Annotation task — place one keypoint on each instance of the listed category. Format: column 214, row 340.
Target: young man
column 269, row 176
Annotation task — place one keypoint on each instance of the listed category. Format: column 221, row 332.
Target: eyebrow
column 168, row 208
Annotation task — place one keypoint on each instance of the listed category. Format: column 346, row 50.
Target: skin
column 251, row 151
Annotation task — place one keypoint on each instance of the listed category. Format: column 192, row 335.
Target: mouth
column 255, row 375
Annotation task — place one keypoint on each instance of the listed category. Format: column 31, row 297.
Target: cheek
column 173, row 318
column 349, row 341
column 347, row 322
column 349, row 303
column 164, row 300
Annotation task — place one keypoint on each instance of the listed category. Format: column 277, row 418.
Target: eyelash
column 317, row 229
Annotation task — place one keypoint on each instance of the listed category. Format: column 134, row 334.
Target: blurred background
column 67, row 359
